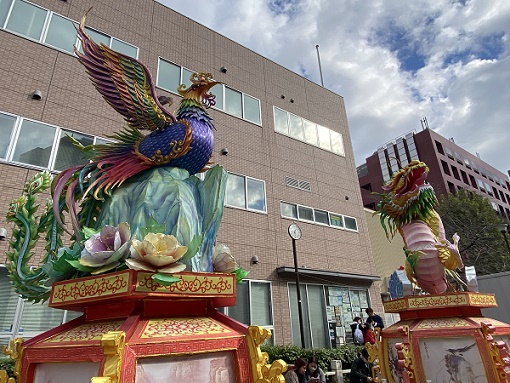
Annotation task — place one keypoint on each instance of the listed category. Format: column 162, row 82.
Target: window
column 122, row 47
column 455, row 172
column 5, row 5
column 245, row 193
column 473, row 182
column 314, row 318
column 251, row 108
column 254, row 304
column 446, row 168
column 324, row 138
column 449, row 152
column 52, row 29
column 350, row 223
column 439, row 147
column 6, row 129
column 217, row 90
column 296, row 127
column 459, row 158
column 41, row 145
column 488, row 188
column 305, row 213
column 322, row 217
column 310, row 133
column 233, row 104
column 321, row 306
column 337, row 144
column 69, row 155
column 451, row 187
column 61, row 33
column 336, row 220
column 169, row 76
column 303, row 130
column 27, row 20
column 346, row 303
column 281, row 124
column 480, row 184
column 288, row 210
column 34, row 144
column 20, row 319
column 464, row 177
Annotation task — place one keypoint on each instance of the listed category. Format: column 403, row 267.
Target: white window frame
column 269, row 327
column 223, row 86
column 298, row 218
column 246, row 178
column 304, row 121
column 16, row 322
column 46, row 24
column 13, row 141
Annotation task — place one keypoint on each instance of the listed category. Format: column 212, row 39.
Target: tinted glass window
column 169, row 76
column 34, row 143
column 6, row 127
column 251, row 109
column 256, row 194
column 69, row 155
column 61, row 33
column 280, row 121
column 125, row 48
column 27, row 19
column 233, row 102
column 235, row 194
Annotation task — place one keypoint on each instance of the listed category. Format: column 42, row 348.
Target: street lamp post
column 295, row 234
column 504, row 228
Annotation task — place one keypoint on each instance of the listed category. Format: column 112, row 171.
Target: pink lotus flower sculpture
column 105, row 250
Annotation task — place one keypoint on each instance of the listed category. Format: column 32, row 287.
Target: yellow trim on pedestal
column 424, row 302
column 14, row 351
column 263, row 372
column 405, row 354
column 375, row 355
column 113, row 347
column 498, row 351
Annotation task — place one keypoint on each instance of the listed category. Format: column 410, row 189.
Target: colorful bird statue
column 407, row 206
column 141, row 178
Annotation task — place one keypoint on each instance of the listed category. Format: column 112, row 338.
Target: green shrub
column 7, row 364
column 289, row 353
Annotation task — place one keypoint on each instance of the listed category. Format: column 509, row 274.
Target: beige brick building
column 289, row 156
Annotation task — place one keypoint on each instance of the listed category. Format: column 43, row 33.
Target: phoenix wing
column 124, row 82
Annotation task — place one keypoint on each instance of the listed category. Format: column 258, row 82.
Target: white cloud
column 466, row 97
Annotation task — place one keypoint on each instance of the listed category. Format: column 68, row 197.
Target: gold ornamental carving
column 113, row 347
column 14, row 351
column 263, row 372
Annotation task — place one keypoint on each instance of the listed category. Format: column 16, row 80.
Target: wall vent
column 298, row 184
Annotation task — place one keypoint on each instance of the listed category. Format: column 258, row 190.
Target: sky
column 395, row 62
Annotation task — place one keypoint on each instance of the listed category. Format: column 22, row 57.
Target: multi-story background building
column 283, row 139
column 451, row 168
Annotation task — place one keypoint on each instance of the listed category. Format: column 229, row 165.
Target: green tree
column 472, row 217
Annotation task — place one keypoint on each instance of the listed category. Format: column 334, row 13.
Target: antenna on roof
column 424, row 123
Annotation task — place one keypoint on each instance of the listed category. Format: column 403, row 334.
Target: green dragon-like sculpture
column 407, row 207
column 30, row 283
